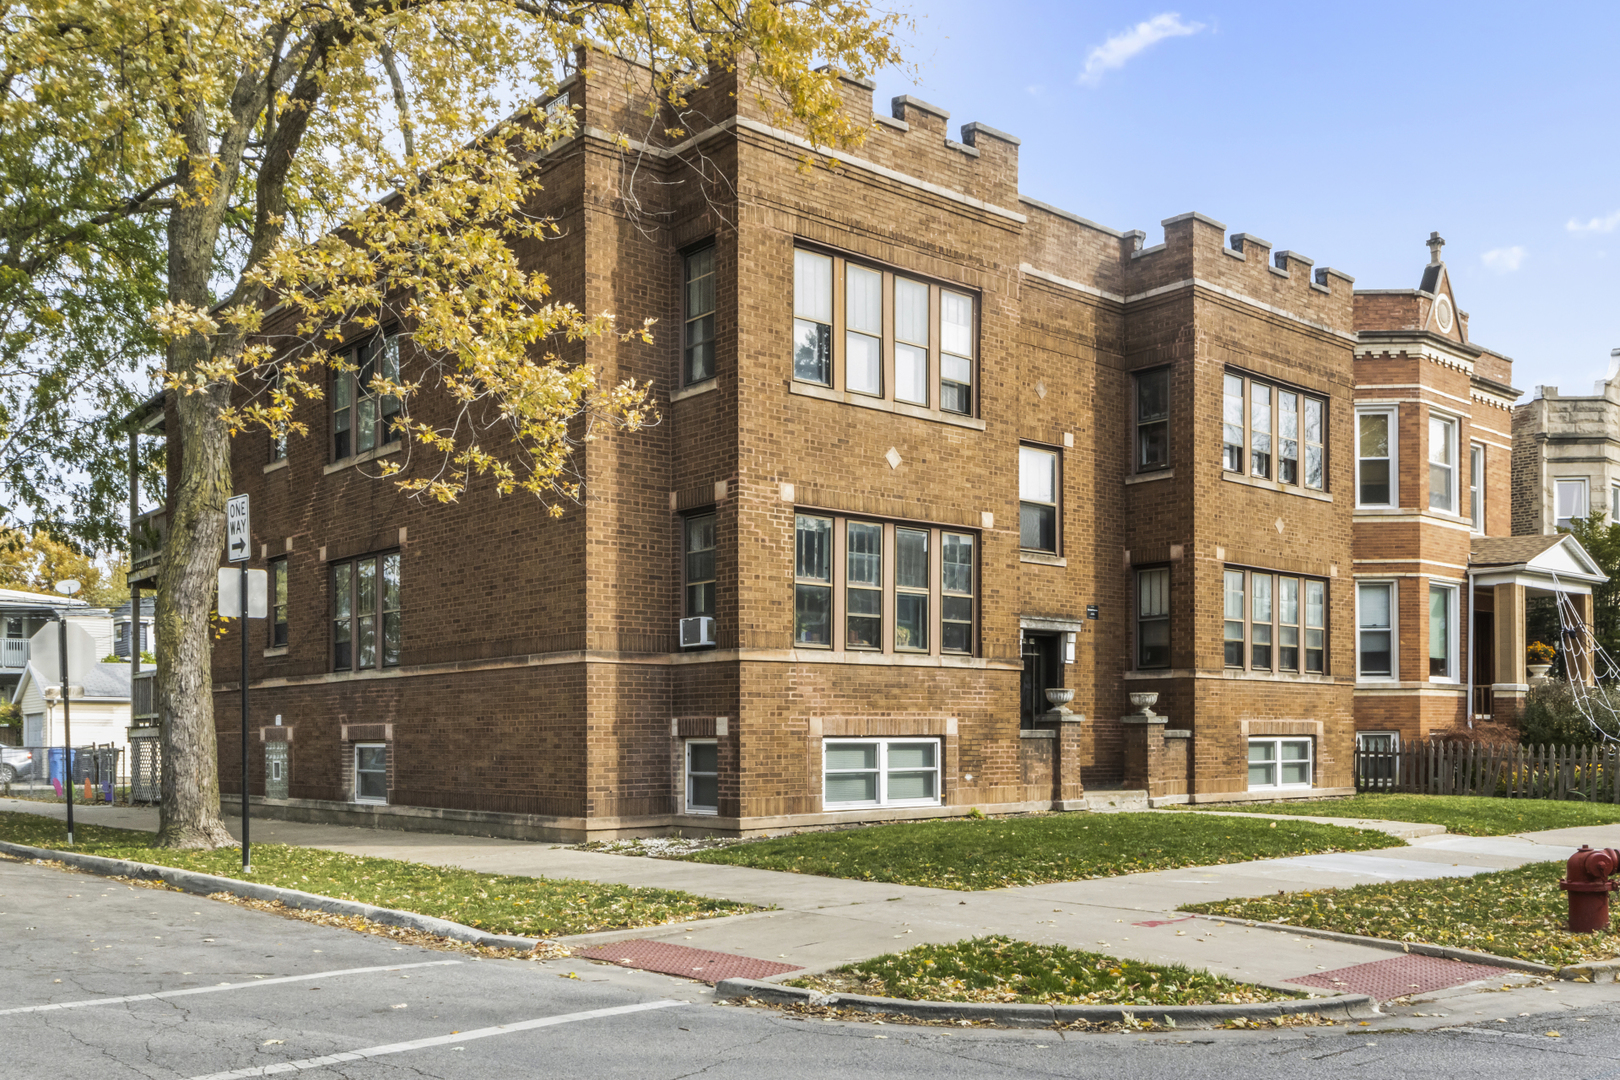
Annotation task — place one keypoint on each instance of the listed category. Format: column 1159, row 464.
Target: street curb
column 1592, row 971
column 204, row 884
column 1342, row 1007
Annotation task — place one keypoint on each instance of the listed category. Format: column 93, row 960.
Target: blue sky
column 1343, row 131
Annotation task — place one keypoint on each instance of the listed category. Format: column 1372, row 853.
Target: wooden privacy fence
column 1590, row 774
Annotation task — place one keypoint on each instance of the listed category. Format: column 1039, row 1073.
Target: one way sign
column 238, row 538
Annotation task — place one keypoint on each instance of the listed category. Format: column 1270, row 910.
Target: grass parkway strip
column 500, row 904
column 997, row 853
column 1001, row 970
column 1466, row 815
column 1518, row 913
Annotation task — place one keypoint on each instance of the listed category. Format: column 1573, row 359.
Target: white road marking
column 162, row 994
column 437, row 1040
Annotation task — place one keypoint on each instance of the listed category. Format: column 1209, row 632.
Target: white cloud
column 1597, row 224
column 1118, row 50
column 1504, row 260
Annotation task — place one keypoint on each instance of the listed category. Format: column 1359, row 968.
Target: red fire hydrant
column 1588, row 885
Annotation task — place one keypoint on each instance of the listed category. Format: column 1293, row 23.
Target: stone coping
column 1340, row 1007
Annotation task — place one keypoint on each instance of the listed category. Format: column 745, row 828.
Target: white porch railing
column 13, row 653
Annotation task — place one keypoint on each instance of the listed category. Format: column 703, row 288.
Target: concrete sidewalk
column 821, row 922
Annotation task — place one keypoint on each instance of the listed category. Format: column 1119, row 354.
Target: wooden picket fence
column 1589, row 774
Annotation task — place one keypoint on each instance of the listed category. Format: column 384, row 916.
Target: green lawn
column 1467, row 815
column 1519, row 913
column 531, row 907
column 996, row 853
column 999, row 969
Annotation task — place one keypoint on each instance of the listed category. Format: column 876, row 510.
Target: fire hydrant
column 1587, row 882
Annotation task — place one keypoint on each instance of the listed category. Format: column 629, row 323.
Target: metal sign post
column 67, row 588
column 238, row 547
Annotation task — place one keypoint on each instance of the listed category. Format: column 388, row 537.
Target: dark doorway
column 1043, row 671
column 1484, row 664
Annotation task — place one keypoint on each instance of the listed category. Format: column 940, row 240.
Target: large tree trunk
column 189, row 806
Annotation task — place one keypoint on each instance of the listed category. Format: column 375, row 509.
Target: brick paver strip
column 1385, row 979
column 685, row 961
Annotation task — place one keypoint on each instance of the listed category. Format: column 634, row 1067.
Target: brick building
column 1567, row 455
column 929, row 451
column 1441, row 584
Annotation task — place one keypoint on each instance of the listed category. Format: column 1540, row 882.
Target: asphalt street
column 106, row 980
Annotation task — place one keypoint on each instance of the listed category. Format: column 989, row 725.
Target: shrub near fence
column 1585, row 773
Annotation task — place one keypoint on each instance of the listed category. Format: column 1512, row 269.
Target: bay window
column 878, row 333
column 1266, row 616
column 1282, row 431
column 903, row 588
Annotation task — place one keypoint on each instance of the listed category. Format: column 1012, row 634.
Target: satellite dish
column 67, row 586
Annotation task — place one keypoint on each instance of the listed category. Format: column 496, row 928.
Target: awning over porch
column 1516, row 567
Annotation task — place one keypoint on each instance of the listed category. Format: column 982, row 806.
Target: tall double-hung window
column 881, row 586
column 1375, row 630
column 882, row 334
column 1476, row 487
column 699, row 560
column 1153, row 618
column 363, row 416
column 1038, row 499
column 697, row 361
column 1273, row 433
column 1375, row 458
column 1569, row 501
column 1153, row 420
column 1442, row 464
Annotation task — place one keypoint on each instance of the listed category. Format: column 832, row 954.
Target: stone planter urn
column 1144, row 702
column 1059, row 699
column 1538, row 673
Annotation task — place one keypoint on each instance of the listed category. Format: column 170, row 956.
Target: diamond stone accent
column 893, row 458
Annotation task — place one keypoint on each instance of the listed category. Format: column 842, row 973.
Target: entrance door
column 1043, row 671
column 1484, row 663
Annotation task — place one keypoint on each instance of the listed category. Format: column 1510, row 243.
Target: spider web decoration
column 1600, row 708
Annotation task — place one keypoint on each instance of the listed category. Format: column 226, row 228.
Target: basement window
column 880, row 772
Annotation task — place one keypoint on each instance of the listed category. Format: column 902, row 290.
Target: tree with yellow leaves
column 343, row 162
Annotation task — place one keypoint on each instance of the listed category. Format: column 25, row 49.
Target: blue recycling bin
column 58, row 759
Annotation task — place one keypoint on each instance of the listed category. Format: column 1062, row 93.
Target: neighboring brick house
column 1567, row 455
column 1440, row 583
column 929, row 449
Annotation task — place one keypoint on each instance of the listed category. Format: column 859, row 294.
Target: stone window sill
column 1042, row 558
column 276, row 466
column 278, row 650
column 694, row 390
column 1272, row 485
column 359, row 459
column 1149, row 477
column 899, row 408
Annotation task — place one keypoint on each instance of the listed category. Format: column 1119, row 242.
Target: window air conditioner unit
column 697, row 631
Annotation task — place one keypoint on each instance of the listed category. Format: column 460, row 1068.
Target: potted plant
column 1538, row 658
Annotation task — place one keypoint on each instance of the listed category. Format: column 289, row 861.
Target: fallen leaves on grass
column 1517, row 913
column 998, row 969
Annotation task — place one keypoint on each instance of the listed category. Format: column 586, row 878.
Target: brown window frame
column 938, row 385
column 692, row 321
column 279, row 588
column 1247, row 457
column 1142, row 618
column 1141, row 424
column 349, row 392
column 935, row 593
column 1274, row 625
column 380, row 612
column 687, row 551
